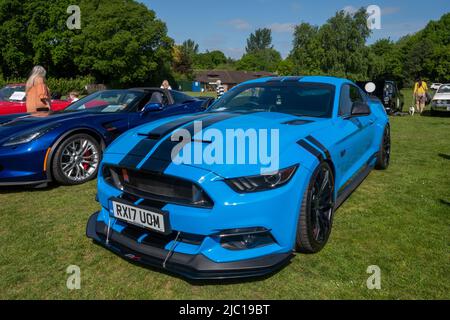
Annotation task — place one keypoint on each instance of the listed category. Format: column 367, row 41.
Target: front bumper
column 192, row 266
column 23, row 165
column 440, row 107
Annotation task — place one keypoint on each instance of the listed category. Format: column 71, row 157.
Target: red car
column 13, row 100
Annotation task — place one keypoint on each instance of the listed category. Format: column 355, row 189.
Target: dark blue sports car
column 67, row 146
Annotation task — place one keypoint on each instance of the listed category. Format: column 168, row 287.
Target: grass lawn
column 201, row 94
column 398, row 219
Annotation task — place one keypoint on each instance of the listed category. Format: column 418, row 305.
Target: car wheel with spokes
column 316, row 215
column 76, row 160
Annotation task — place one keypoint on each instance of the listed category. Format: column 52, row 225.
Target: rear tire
column 76, row 160
column 317, row 210
column 384, row 154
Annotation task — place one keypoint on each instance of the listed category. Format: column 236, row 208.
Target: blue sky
column 225, row 25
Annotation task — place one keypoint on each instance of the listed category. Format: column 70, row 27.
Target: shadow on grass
column 444, row 156
column 440, row 114
column 199, row 283
column 444, row 202
column 20, row 189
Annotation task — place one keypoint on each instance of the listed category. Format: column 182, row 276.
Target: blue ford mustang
column 67, row 146
column 210, row 219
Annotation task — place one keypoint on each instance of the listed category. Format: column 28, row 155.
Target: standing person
column 165, row 85
column 420, row 94
column 38, row 94
column 220, row 89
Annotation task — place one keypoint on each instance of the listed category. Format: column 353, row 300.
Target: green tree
column 210, row 60
column 336, row 48
column 190, row 48
column 262, row 60
column 260, row 40
column 122, row 42
column 306, row 54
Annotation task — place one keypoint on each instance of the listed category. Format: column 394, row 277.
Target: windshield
column 12, row 93
column 300, row 99
column 109, row 101
column 445, row 88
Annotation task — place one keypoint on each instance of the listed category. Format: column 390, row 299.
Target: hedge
column 62, row 86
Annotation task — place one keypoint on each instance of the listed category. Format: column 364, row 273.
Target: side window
column 349, row 95
column 345, row 102
column 180, row 97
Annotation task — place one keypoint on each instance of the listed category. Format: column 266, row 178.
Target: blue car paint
column 350, row 145
column 24, row 164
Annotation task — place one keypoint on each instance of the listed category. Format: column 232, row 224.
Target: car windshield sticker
column 17, row 96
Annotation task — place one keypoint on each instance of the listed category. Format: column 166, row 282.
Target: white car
column 435, row 86
column 441, row 100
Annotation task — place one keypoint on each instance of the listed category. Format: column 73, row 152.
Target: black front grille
column 157, row 187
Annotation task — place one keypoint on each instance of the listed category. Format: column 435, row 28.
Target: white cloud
column 282, row 27
column 238, row 24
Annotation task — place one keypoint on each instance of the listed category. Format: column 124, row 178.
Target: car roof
column 319, row 79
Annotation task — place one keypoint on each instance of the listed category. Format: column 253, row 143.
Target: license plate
column 140, row 216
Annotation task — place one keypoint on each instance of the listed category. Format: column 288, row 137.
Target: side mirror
column 360, row 109
column 152, row 107
column 370, row 87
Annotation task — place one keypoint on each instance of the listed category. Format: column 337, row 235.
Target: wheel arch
column 92, row 132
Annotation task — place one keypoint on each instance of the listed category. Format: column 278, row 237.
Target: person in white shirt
column 220, row 89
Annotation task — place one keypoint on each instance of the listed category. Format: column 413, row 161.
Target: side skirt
column 353, row 183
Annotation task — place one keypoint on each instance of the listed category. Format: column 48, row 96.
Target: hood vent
column 297, row 122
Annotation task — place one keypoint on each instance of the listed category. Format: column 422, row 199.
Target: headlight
column 29, row 135
column 262, row 182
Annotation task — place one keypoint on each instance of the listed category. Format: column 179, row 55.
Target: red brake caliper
column 85, row 155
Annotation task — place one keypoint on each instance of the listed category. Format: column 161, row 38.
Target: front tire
column 384, row 154
column 76, row 160
column 317, row 210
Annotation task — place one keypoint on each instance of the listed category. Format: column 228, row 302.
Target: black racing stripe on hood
column 135, row 156
column 167, row 128
column 140, row 151
column 162, row 157
column 317, row 143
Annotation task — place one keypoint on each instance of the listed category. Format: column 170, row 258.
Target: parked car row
column 208, row 219
column 66, row 146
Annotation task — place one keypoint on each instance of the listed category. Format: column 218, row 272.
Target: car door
column 356, row 134
column 184, row 103
column 137, row 117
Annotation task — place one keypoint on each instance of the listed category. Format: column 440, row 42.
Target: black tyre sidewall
column 381, row 165
column 58, row 175
column 305, row 242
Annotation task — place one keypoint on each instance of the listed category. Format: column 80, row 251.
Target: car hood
column 16, row 123
column 284, row 128
column 441, row 96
